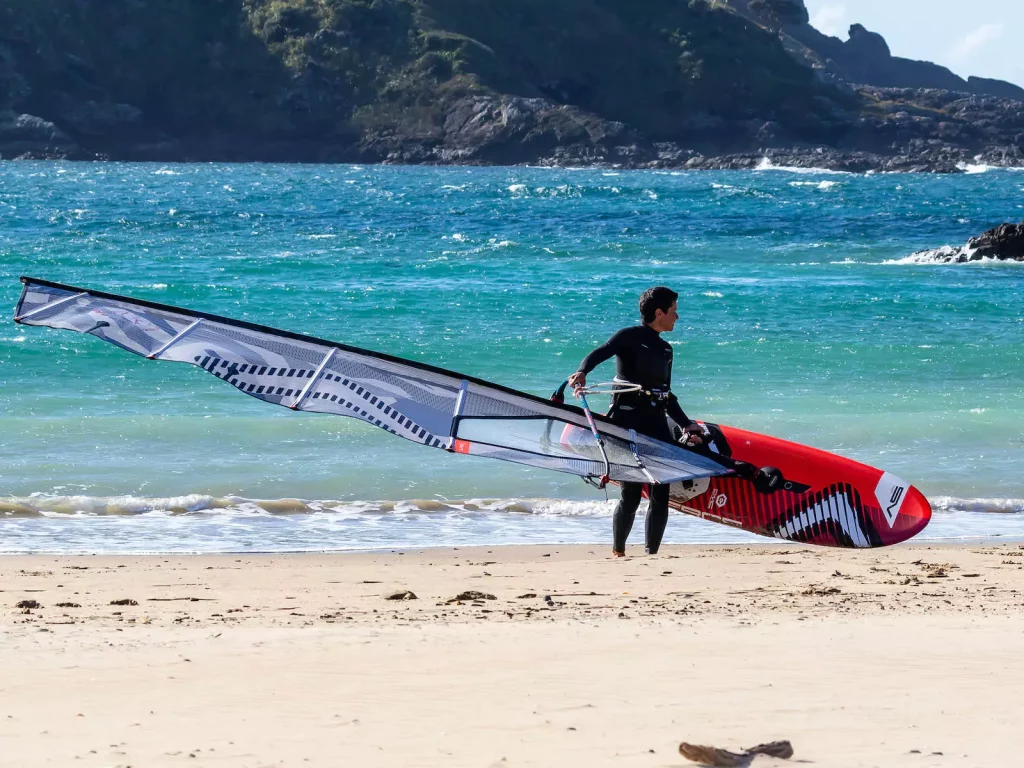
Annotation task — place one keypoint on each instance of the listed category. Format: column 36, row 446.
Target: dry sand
column 903, row 657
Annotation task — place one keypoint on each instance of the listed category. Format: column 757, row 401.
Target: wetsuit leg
column 625, row 514
column 652, row 423
column 657, row 517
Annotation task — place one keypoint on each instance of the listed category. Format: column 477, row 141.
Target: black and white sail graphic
column 427, row 405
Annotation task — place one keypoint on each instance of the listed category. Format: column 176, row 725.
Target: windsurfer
column 643, row 358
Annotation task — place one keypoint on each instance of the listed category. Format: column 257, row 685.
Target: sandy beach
column 902, row 657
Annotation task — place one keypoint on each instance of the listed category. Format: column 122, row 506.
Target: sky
column 971, row 37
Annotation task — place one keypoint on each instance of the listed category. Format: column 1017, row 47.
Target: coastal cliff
column 664, row 83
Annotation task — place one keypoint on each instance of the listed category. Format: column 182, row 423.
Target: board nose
column 915, row 514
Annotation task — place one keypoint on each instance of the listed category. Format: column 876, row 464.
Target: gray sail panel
column 141, row 332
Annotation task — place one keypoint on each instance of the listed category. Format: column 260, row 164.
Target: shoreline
column 949, row 162
column 636, row 545
column 859, row 658
column 854, row 164
column 110, row 529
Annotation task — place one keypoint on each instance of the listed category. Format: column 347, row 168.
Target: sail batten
column 422, row 403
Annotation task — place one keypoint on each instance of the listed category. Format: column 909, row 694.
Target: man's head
column 658, row 308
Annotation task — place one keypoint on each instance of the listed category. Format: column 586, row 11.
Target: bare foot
column 618, row 554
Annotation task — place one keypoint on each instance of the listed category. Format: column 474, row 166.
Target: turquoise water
column 803, row 316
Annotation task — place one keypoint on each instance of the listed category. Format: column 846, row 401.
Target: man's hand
column 693, row 435
column 577, row 381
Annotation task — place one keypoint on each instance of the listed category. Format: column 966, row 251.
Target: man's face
column 666, row 321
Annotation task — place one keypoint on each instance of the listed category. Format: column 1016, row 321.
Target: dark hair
column 654, row 299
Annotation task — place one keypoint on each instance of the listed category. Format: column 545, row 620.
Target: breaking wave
column 988, row 505
column 979, row 167
column 45, row 505
column 949, row 254
column 766, row 164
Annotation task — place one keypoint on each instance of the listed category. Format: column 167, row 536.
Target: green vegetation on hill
column 335, row 70
column 652, row 65
column 191, row 66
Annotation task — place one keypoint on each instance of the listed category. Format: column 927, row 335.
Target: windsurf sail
column 428, row 405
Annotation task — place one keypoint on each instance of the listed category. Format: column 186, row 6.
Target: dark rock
column 20, row 134
column 867, row 45
column 14, row 89
column 28, row 604
column 404, row 595
column 999, row 88
column 1003, row 242
column 105, row 120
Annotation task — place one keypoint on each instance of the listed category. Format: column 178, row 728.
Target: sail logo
column 890, row 493
column 717, row 499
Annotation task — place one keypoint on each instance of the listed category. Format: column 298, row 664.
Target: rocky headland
column 660, row 84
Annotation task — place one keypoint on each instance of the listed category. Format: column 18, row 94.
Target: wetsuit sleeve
column 606, row 351
column 675, row 412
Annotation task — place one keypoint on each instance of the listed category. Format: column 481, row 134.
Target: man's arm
column 692, row 432
column 606, row 351
column 675, row 412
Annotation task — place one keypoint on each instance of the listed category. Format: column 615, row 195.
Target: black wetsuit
column 641, row 357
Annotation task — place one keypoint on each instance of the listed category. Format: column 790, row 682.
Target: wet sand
column 902, row 657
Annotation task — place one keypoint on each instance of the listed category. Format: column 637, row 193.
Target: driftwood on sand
column 723, row 758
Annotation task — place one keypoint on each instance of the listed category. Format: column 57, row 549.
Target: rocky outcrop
column 1003, row 243
column 999, row 88
column 29, row 136
column 866, row 59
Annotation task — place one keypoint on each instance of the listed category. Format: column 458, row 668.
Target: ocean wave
column 766, row 164
column 555, row 191
column 975, row 168
column 47, row 505
column 947, row 254
column 822, row 185
column 980, row 167
column 995, row 505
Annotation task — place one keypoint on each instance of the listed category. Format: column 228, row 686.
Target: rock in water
column 1004, row 242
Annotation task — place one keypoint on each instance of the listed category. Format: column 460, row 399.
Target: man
column 643, row 357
